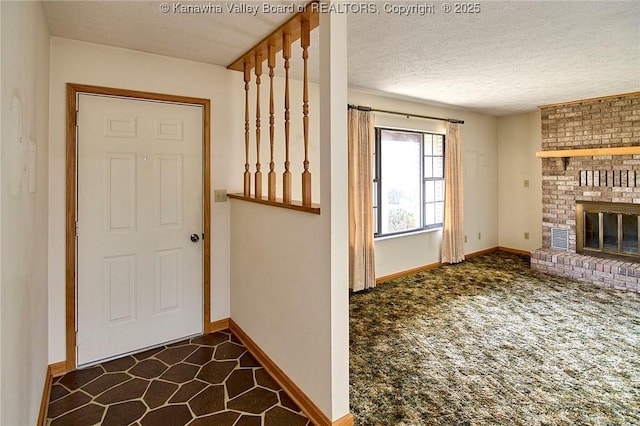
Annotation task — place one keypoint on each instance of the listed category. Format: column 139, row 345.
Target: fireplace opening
column 608, row 229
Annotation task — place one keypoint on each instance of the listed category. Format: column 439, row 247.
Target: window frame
column 378, row 176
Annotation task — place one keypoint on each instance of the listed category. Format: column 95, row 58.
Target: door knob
column 195, row 238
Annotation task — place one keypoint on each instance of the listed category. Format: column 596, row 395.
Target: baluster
column 247, row 174
column 286, row 54
column 271, row 62
column 258, row 174
column 305, row 42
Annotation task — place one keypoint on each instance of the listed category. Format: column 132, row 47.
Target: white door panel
column 139, row 200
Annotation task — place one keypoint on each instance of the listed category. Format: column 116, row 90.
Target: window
column 408, row 181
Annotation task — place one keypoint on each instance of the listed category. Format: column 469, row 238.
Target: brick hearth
column 606, row 122
column 607, row 272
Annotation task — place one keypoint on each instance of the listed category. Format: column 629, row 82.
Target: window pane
column 373, row 166
column 439, row 190
column 401, row 181
column 375, row 220
column 438, row 167
column 429, row 191
column 428, row 167
column 400, row 136
column 428, row 145
column 440, row 212
column 375, row 196
column 429, row 214
column 438, row 145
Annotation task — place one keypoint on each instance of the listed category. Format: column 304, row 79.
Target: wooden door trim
column 73, row 90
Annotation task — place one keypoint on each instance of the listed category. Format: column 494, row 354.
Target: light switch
column 219, row 195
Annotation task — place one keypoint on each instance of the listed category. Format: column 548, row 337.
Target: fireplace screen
column 608, row 228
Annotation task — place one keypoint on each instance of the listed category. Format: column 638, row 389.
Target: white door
column 139, row 278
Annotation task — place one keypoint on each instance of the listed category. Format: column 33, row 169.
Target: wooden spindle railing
column 286, row 54
column 258, row 174
column 247, row 174
column 271, row 63
column 305, row 42
column 298, row 27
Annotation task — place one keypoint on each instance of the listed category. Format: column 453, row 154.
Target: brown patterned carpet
column 492, row 342
column 208, row 380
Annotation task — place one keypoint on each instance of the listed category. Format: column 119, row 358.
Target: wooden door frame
column 73, row 90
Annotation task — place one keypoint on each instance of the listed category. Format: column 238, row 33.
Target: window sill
column 406, row 234
column 293, row 205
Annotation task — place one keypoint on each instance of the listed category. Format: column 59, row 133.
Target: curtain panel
column 453, row 226
column 360, row 147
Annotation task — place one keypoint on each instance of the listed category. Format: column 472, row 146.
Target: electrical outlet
column 526, row 235
column 465, row 238
column 526, row 183
column 219, row 195
column 479, row 235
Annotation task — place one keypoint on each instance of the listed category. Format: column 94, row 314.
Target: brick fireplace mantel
column 595, row 137
column 588, row 152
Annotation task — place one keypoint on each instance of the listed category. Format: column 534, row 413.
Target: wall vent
column 560, row 238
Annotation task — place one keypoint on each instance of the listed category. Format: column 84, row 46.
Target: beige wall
column 23, row 322
column 86, row 63
column 289, row 268
column 480, row 154
column 280, row 290
column 520, row 207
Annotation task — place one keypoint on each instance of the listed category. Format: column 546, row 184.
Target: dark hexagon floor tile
column 180, row 373
column 158, row 393
column 174, row 355
column 149, row 369
column 57, row 392
column 187, row 391
column 68, row 403
column 210, row 400
column 255, row 401
column 286, row 401
column 238, row 382
column 120, row 364
column 172, row 415
column 247, row 360
column 228, row 350
column 246, row 420
column 202, row 356
column 148, row 353
column 215, row 372
column 278, row 416
column 105, row 382
column 87, row 415
column 79, row 378
column 124, row 413
column 132, row 389
column 228, row 418
column 212, row 339
column 264, row 379
column 235, row 339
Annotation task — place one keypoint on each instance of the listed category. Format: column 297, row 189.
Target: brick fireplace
column 606, row 178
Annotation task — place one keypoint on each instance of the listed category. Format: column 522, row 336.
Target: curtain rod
column 384, row 111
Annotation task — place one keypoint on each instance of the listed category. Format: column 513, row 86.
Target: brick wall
column 609, row 122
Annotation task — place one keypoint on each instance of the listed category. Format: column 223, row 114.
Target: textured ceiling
column 510, row 57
